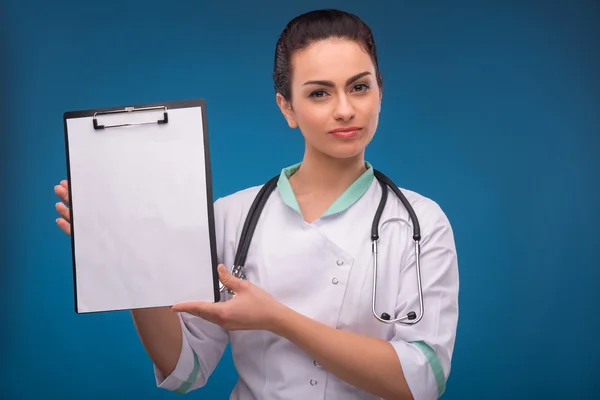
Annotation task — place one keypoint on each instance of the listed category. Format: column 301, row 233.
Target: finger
column 63, row 211
column 62, row 192
column 200, row 309
column 189, row 306
column 64, row 225
column 230, row 281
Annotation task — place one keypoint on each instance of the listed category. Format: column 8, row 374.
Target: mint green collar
column 348, row 198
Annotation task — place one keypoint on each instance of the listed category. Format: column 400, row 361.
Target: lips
column 345, row 132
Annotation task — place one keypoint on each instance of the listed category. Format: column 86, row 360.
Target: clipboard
column 141, row 206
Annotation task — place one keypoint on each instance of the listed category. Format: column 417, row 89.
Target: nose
column 343, row 109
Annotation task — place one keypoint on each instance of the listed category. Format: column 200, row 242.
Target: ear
column 286, row 110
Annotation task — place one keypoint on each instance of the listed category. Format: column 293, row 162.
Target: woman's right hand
column 64, row 221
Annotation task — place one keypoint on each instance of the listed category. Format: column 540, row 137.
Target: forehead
column 331, row 59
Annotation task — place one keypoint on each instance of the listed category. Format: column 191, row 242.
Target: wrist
column 278, row 319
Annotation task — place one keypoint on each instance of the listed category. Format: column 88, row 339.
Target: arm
column 158, row 328
column 160, row 333
column 415, row 362
column 346, row 354
column 184, row 349
column 187, row 367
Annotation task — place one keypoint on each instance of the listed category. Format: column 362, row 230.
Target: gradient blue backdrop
column 492, row 110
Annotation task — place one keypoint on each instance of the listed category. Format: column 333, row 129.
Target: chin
column 349, row 150
column 346, row 148
column 340, row 149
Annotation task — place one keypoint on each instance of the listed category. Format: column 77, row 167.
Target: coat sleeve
column 203, row 342
column 425, row 349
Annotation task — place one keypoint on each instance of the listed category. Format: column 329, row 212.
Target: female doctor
column 301, row 326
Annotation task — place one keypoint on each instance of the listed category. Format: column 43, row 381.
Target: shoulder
column 430, row 214
column 236, row 205
column 427, row 206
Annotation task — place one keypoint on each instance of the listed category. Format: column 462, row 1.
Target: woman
column 301, row 326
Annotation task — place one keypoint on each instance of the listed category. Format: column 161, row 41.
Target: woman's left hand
column 250, row 309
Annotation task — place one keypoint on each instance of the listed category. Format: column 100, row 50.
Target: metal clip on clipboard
column 128, row 110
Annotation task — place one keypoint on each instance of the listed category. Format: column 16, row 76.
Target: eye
column 361, row 87
column 318, row 93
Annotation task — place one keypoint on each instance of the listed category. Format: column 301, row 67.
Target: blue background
column 492, row 109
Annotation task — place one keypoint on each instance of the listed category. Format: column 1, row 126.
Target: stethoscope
column 259, row 202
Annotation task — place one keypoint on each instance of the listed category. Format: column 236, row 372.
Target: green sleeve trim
column 436, row 366
column 187, row 384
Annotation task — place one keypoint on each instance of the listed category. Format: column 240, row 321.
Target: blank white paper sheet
column 142, row 212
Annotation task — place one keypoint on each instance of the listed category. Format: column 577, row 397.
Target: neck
column 320, row 173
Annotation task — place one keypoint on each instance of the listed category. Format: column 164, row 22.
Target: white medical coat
column 324, row 270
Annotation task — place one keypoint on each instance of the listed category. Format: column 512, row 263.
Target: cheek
column 370, row 111
column 312, row 118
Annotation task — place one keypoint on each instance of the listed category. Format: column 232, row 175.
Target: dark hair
column 314, row 26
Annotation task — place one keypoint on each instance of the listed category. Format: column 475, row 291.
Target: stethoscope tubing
column 259, row 203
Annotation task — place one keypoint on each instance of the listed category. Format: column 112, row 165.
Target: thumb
column 230, row 281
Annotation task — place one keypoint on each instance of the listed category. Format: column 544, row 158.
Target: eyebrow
column 331, row 84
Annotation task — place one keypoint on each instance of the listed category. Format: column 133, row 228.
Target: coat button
column 340, row 262
column 335, row 281
column 316, row 363
column 313, row 382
